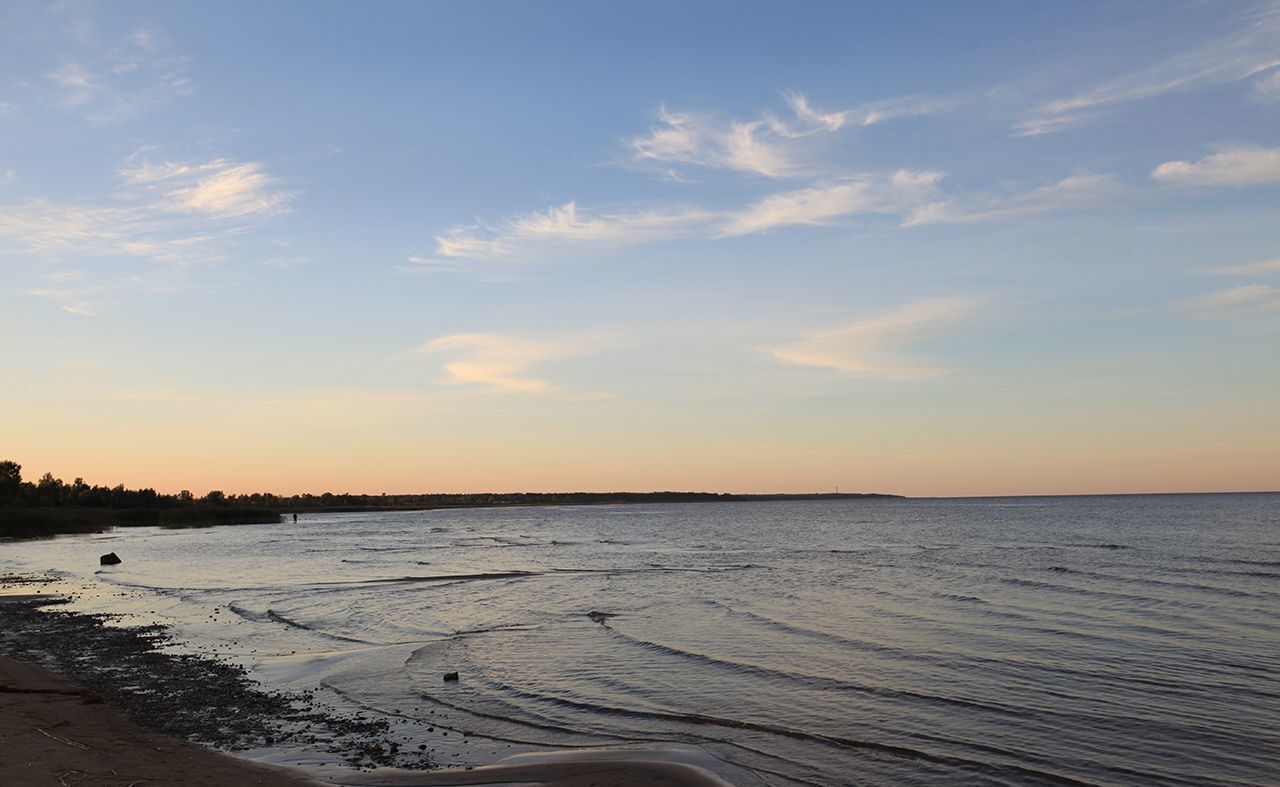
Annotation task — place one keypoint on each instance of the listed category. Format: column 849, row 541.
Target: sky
column 917, row 248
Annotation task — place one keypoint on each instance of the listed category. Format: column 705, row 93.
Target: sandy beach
column 53, row 732
column 56, row 731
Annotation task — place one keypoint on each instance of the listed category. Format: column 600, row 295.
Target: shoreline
column 99, row 704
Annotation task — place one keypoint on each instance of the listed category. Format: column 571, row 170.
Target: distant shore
column 38, row 522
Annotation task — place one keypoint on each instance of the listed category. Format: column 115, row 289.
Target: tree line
column 51, row 505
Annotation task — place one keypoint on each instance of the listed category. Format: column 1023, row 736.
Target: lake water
column 1097, row 640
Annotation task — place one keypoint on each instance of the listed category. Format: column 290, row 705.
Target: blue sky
column 923, row 248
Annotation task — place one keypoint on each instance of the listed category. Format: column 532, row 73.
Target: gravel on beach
column 191, row 697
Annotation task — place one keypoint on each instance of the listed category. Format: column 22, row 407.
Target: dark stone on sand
column 109, row 559
column 450, row 676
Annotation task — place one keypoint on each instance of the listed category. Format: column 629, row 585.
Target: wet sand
column 54, row 731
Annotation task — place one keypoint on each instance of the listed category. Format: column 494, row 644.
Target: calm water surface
column 1097, row 640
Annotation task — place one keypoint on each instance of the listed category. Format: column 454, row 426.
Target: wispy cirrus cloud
column 1252, row 51
column 913, row 195
column 164, row 211
column 767, row 145
column 879, row 347
column 70, row 291
column 119, row 83
column 896, row 192
column 564, row 226
column 1250, row 300
column 567, row 227
column 499, row 362
column 1239, row 165
column 219, row 189
column 1265, row 267
column 1071, row 193
column 686, row 138
column 871, row 112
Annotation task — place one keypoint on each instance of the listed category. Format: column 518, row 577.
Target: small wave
column 1154, row 581
column 1232, row 561
column 1032, row 583
column 527, row 719
column 689, row 569
column 278, row 618
column 792, row 628
column 246, row 614
column 955, row 597
column 499, row 628
column 456, row 577
column 1223, row 572
column 816, row 681
column 787, row 732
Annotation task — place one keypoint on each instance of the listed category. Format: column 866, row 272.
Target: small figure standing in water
column 295, row 517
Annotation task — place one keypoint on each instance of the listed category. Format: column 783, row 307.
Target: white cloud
column 1243, row 55
column 870, row 113
column 1071, row 193
column 753, row 146
column 1230, row 166
column 1251, row 300
column 912, row 194
column 498, row 361
column 1269, row 266
column 767, row 145
column 169, row 212
column 565, row 223
column 218, row 188
column 876, row 347
column 897, row 192
column 119, row 83
column 535, row 233
column 568, row 226
column 467, row 243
